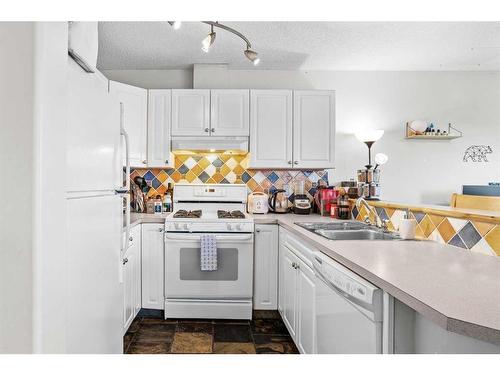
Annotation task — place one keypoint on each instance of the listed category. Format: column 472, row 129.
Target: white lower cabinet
column 296, row 301
column 265, row 286
column 132, row 278
column 153, row 266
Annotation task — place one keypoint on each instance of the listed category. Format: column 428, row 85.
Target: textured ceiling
column 305, row 45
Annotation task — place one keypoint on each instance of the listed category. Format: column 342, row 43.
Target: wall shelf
column 453, row 133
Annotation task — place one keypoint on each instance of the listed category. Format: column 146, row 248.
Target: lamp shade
column 369, row 135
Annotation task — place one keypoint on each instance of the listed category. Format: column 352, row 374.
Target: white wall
column 417, row 171
column 16, row 156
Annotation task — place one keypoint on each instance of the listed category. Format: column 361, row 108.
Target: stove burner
column 196, row 214
column 221, row 214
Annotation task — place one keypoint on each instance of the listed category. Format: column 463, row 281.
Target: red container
column 324, row 198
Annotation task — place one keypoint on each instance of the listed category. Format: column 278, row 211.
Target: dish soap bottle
column 167, row 202
column 157, row 205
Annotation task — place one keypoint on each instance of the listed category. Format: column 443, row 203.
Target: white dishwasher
column 349, row 310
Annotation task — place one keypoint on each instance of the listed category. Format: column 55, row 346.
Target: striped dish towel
column 208, row 252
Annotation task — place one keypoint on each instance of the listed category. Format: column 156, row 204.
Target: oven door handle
column 221, row 238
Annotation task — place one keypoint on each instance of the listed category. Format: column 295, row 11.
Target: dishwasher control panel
column 344, row 279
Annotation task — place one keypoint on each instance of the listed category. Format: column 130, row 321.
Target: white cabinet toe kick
column 208, row 309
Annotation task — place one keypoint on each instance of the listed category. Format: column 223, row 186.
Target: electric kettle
column 278, row 202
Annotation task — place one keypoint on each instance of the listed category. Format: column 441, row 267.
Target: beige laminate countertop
column 457, row 289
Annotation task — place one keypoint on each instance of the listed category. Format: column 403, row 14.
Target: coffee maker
column 301, row 203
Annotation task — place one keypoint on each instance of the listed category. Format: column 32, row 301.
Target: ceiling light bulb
column 175, row 24
column 252, row 56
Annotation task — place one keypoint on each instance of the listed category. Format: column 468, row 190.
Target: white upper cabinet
column 229, row 112
column 190, row 112
column 135, row 113
column 159, row 123
column 313, row 129
column 270, row 128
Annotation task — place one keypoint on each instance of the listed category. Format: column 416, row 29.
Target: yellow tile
column 196, row 170
column 390, row 226
column 177, row 162
column 190, row 176
column 493, row 239
column 390, row 211
column 252, row 185
column 436, row 220
column 211, row 181
column 419, row 233
column 203, row 163
column 446, row 230
column 362, row 213
column 162, row 176
column 427, row 226
column 482, row 227
column 224, row 170
column 218, row 177
column 176, row 176
column 161, row 189
column 239, row 169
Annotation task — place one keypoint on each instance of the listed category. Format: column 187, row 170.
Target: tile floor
column 265, row 334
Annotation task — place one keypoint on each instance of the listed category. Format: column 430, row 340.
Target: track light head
column 252, row 56
column 208, row 41
column 175, row 24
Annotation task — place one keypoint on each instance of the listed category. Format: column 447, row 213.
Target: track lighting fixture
column 208, row 41
column 175, row 24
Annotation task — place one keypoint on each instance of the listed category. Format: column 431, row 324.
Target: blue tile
column 245, row 177
column 273, row 177
column 183, row 169
column 381, row 213
column 149, row 176
column 307, row 173
column 469, row 235
column 217, row 163
column 170, row 171
column 156, row 183
column 355, row 212
column 457, row 241
column 224, row 181
column 419, row 216
column 272, row 189
column 312, row 191
column 203, row 176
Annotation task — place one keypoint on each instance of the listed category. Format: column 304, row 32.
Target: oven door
column 232, row 279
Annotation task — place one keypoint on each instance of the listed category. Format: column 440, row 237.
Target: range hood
column 237, row 145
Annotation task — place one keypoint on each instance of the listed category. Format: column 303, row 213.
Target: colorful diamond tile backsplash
column 226, row 169
column 477, row 236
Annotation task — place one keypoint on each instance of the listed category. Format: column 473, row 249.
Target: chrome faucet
column 379, row 223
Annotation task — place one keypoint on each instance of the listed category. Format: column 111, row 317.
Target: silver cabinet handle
column 207, row 130
column 257, row 230
column 293, row 265
column 125, row 260
column 131, row 238
column 289, row 162
column 212, row 130
column 144, row 162
column 166, row 161
column 160, row 229
column 295, row 162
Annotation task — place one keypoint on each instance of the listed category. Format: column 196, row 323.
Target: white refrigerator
column 94, row 178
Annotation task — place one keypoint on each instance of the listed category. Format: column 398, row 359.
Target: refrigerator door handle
column 126, row 188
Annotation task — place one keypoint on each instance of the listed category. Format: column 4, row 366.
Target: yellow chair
column 476, row 202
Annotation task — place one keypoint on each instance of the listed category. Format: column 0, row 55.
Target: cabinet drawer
column 300, row 248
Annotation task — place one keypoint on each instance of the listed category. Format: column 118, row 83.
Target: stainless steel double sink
column 349, row 230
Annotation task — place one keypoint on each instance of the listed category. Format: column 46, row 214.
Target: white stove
column 225, row 293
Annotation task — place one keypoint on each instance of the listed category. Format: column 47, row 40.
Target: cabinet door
column 190, row 112
column 313, row 129
column 128, row 287
column 136, row 269
column 290, row 292
column 159, row 123
column 306, row 316
column 135, row 113
column 229, row 113
column 265, row 286
column 270, row 129
column 152, row 266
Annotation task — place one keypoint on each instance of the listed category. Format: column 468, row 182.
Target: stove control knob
column 187, row 226
column 239, row 227
column 177, row 226
column 229, row 226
